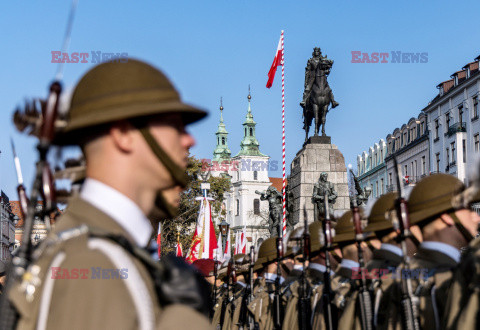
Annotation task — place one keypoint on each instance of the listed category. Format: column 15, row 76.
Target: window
column 405, row 138
column 381, row 155
column 255, row 175
column 381, row 186
column 238, row 207
column 414, row 171
column 390, row 178
column 447, row 121
column 405, row 170
column 422, row 128
column 223, row 141
column 476, row 142
column 256, row 206
column 464, row 149
column 423, row 165
column 437, row 161
column 460, row 114
column 453, row 151
column 376, row 188
column 447, row 156
column 245, row 131
column 436, row 129
column 475, row 107
column 251, row 131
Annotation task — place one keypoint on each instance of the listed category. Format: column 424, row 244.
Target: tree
column 184, row 223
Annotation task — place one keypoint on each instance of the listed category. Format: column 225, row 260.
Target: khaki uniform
column 100, row 300
column 261, row 306
column 431, row 290
column 463, row 304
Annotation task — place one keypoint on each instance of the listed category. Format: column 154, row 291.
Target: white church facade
column 248, row 171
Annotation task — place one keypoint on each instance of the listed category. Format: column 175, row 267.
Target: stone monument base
column 317, row 155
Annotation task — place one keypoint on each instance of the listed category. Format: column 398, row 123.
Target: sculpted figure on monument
column 321, row 188
column 317, row 95
column 289, row 202
column 274, row 199
column 362, row 193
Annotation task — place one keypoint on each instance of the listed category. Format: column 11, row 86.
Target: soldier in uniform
column 445, row 229
column 266, row 268
column 130, row 123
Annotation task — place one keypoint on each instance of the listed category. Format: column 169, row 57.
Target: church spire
column 249, row 145
column 221, row 152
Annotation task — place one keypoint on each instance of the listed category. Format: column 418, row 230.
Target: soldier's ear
column 447, row 219
column 122, row 135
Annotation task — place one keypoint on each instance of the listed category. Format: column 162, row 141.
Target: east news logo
column 396, row 57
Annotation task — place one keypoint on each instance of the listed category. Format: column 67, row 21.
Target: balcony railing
column 456, row 128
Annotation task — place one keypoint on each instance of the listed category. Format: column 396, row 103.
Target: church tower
column 249, row 145
column 221, row 152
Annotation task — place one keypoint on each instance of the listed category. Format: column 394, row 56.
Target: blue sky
column 215, row 48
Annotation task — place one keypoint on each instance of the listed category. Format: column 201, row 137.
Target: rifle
column 365, row 300
column 215, row 275
column 277, row 303
column 327, row 294
column 22, row 195
column 409, row 300
column 245, row 320
column 304, row 303
column 227, row 295
column 44, row 127
column 234, row 281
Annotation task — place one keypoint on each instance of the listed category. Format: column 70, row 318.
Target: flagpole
column 284, row 223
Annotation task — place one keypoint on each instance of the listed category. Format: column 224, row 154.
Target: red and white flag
column 243, row 241
column 219, row 250
column 159, row 240
column 228, row 248
column 204, row 240
column 276, row 62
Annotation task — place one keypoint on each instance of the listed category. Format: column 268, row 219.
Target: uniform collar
column 120, row 208
column 298, row 267
column 273, row 277
column 392, row 248
column 347, row 263
column 444, row 248
column 321, row 268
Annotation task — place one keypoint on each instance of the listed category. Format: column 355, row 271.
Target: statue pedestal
column 317, row 155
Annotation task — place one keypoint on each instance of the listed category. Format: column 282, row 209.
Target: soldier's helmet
column 434, row 195
column 117, row 91
column 379, row 218
column 267, row 253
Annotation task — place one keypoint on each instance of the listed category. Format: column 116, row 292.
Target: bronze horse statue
column 318, row 96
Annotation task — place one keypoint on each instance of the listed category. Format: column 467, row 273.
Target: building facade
column 7, row 228
column 453, row 119
column 444, row 138
column 371, row 168
column 248, row 171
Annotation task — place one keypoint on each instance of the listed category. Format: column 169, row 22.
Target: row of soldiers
column 370, row 272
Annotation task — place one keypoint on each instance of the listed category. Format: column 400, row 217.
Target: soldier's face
column 469, row 219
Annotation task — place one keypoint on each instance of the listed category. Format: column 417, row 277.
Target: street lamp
column 224, row 231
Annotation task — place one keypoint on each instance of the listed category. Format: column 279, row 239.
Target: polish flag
column 219, row 250
column 243, row 241
column 276, row 62
column 159, row 240
column 228, row 248
column 204, row 240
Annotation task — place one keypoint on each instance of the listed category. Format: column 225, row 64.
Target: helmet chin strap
column 465, row 233
column 177, row 173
